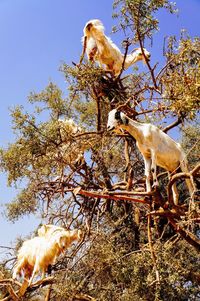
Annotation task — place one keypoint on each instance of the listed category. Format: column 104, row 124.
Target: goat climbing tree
column 137, row 245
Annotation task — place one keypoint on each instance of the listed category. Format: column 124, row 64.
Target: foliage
column 121, row 275
column 181, row 80
column 139, row 16
column 190, row 139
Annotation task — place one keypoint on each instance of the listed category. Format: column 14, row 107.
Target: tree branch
column 153, row 255
column 188, row 236
column 178, row 176
column 172, row 125
column 115, row 197
column 125, row 54
column 83, row 51
column 33, row 287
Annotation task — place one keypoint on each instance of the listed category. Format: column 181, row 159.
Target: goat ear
column 42, row 230
column 121, row 117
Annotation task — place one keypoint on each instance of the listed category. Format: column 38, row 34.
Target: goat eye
column 117, row 115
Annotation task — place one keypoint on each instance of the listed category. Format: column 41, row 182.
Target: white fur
column 49, row 230
column 69, row 125
column 38, row 253
column 156, row 147
column 100, row 48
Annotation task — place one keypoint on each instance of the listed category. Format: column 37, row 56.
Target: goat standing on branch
column 156, row 147
column 101, row 48
column 38, row 253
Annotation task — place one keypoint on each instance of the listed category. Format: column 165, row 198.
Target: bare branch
column 116, row 197
column 160, row 72
column 176, row 177
column 172, row 125
column 153, row 255
column 83, row 51
column 125, row 54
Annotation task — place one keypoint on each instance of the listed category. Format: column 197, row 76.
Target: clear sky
column 35, row 37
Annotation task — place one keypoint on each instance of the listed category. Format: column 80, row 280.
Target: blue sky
column 35, row 37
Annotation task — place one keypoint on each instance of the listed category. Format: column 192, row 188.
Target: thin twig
column 84, row 49
column 153, row 255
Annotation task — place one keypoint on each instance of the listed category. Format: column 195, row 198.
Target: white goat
column 49, row 230
column 69, row 125
column 101, row 48
column 38, row 253
column 156, row 147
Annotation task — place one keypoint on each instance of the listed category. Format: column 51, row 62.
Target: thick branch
column 188, row 236
column 125, row 192
column 195, row 170
column 33, row 287
column 178, row 176
column 172, row 125
column 175, row 178
column 116, row 197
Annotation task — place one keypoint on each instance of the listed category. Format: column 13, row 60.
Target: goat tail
column 189, row 181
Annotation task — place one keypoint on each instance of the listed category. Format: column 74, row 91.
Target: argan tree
column 136, row 245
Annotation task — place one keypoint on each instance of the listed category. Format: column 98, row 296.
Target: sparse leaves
column 181, row 81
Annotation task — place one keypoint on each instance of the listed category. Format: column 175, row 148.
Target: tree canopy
column 137, row 245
